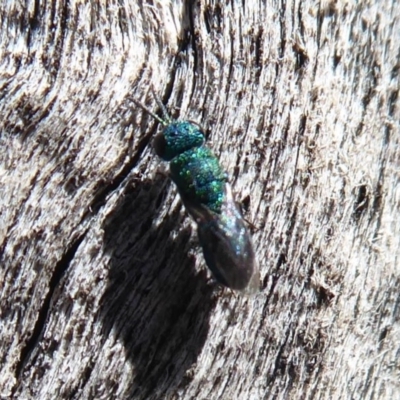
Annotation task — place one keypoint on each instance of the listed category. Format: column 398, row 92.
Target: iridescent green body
column 206, row 194
column 199, row 177
column 194, row 168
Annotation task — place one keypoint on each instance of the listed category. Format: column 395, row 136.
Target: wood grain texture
column 104, row 291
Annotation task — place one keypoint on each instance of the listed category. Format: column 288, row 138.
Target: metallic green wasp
column 206, row 194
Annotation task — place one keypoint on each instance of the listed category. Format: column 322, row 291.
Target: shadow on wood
column 155, row 304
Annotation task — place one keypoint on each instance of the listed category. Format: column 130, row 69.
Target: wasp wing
column 227, row 245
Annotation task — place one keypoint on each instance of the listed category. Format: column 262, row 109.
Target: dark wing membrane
column 227, row 247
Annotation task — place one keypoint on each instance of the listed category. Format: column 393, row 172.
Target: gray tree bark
column 104, row 291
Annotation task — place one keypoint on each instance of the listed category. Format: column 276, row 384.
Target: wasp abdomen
column 227, row 247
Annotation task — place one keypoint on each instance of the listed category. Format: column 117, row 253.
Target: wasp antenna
column 197, row 124
column 160, row 104
column 155, row 116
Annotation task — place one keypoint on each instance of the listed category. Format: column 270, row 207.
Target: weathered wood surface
column 104, row 292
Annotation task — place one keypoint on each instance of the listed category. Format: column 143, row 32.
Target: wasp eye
column 159, row 145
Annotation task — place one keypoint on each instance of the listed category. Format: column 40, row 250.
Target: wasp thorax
column 177, row 138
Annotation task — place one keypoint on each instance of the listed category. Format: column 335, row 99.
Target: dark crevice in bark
column 300, row 135
column 59, row 270
column 361, row 203
column 320, row 18
column 170, row 84
column 191, row 38
column 33, row 23
column 122, row 19
column 85, row 379
column 283, row 363
column 282, row 43
column 302, row 58
column 378, row 195
column 257, row 50
column 279, row 364
column 394, row 95
column 54, row 43
column 92, row 17
column 379, row 192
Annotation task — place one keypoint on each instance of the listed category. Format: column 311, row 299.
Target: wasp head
column 176, row 138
